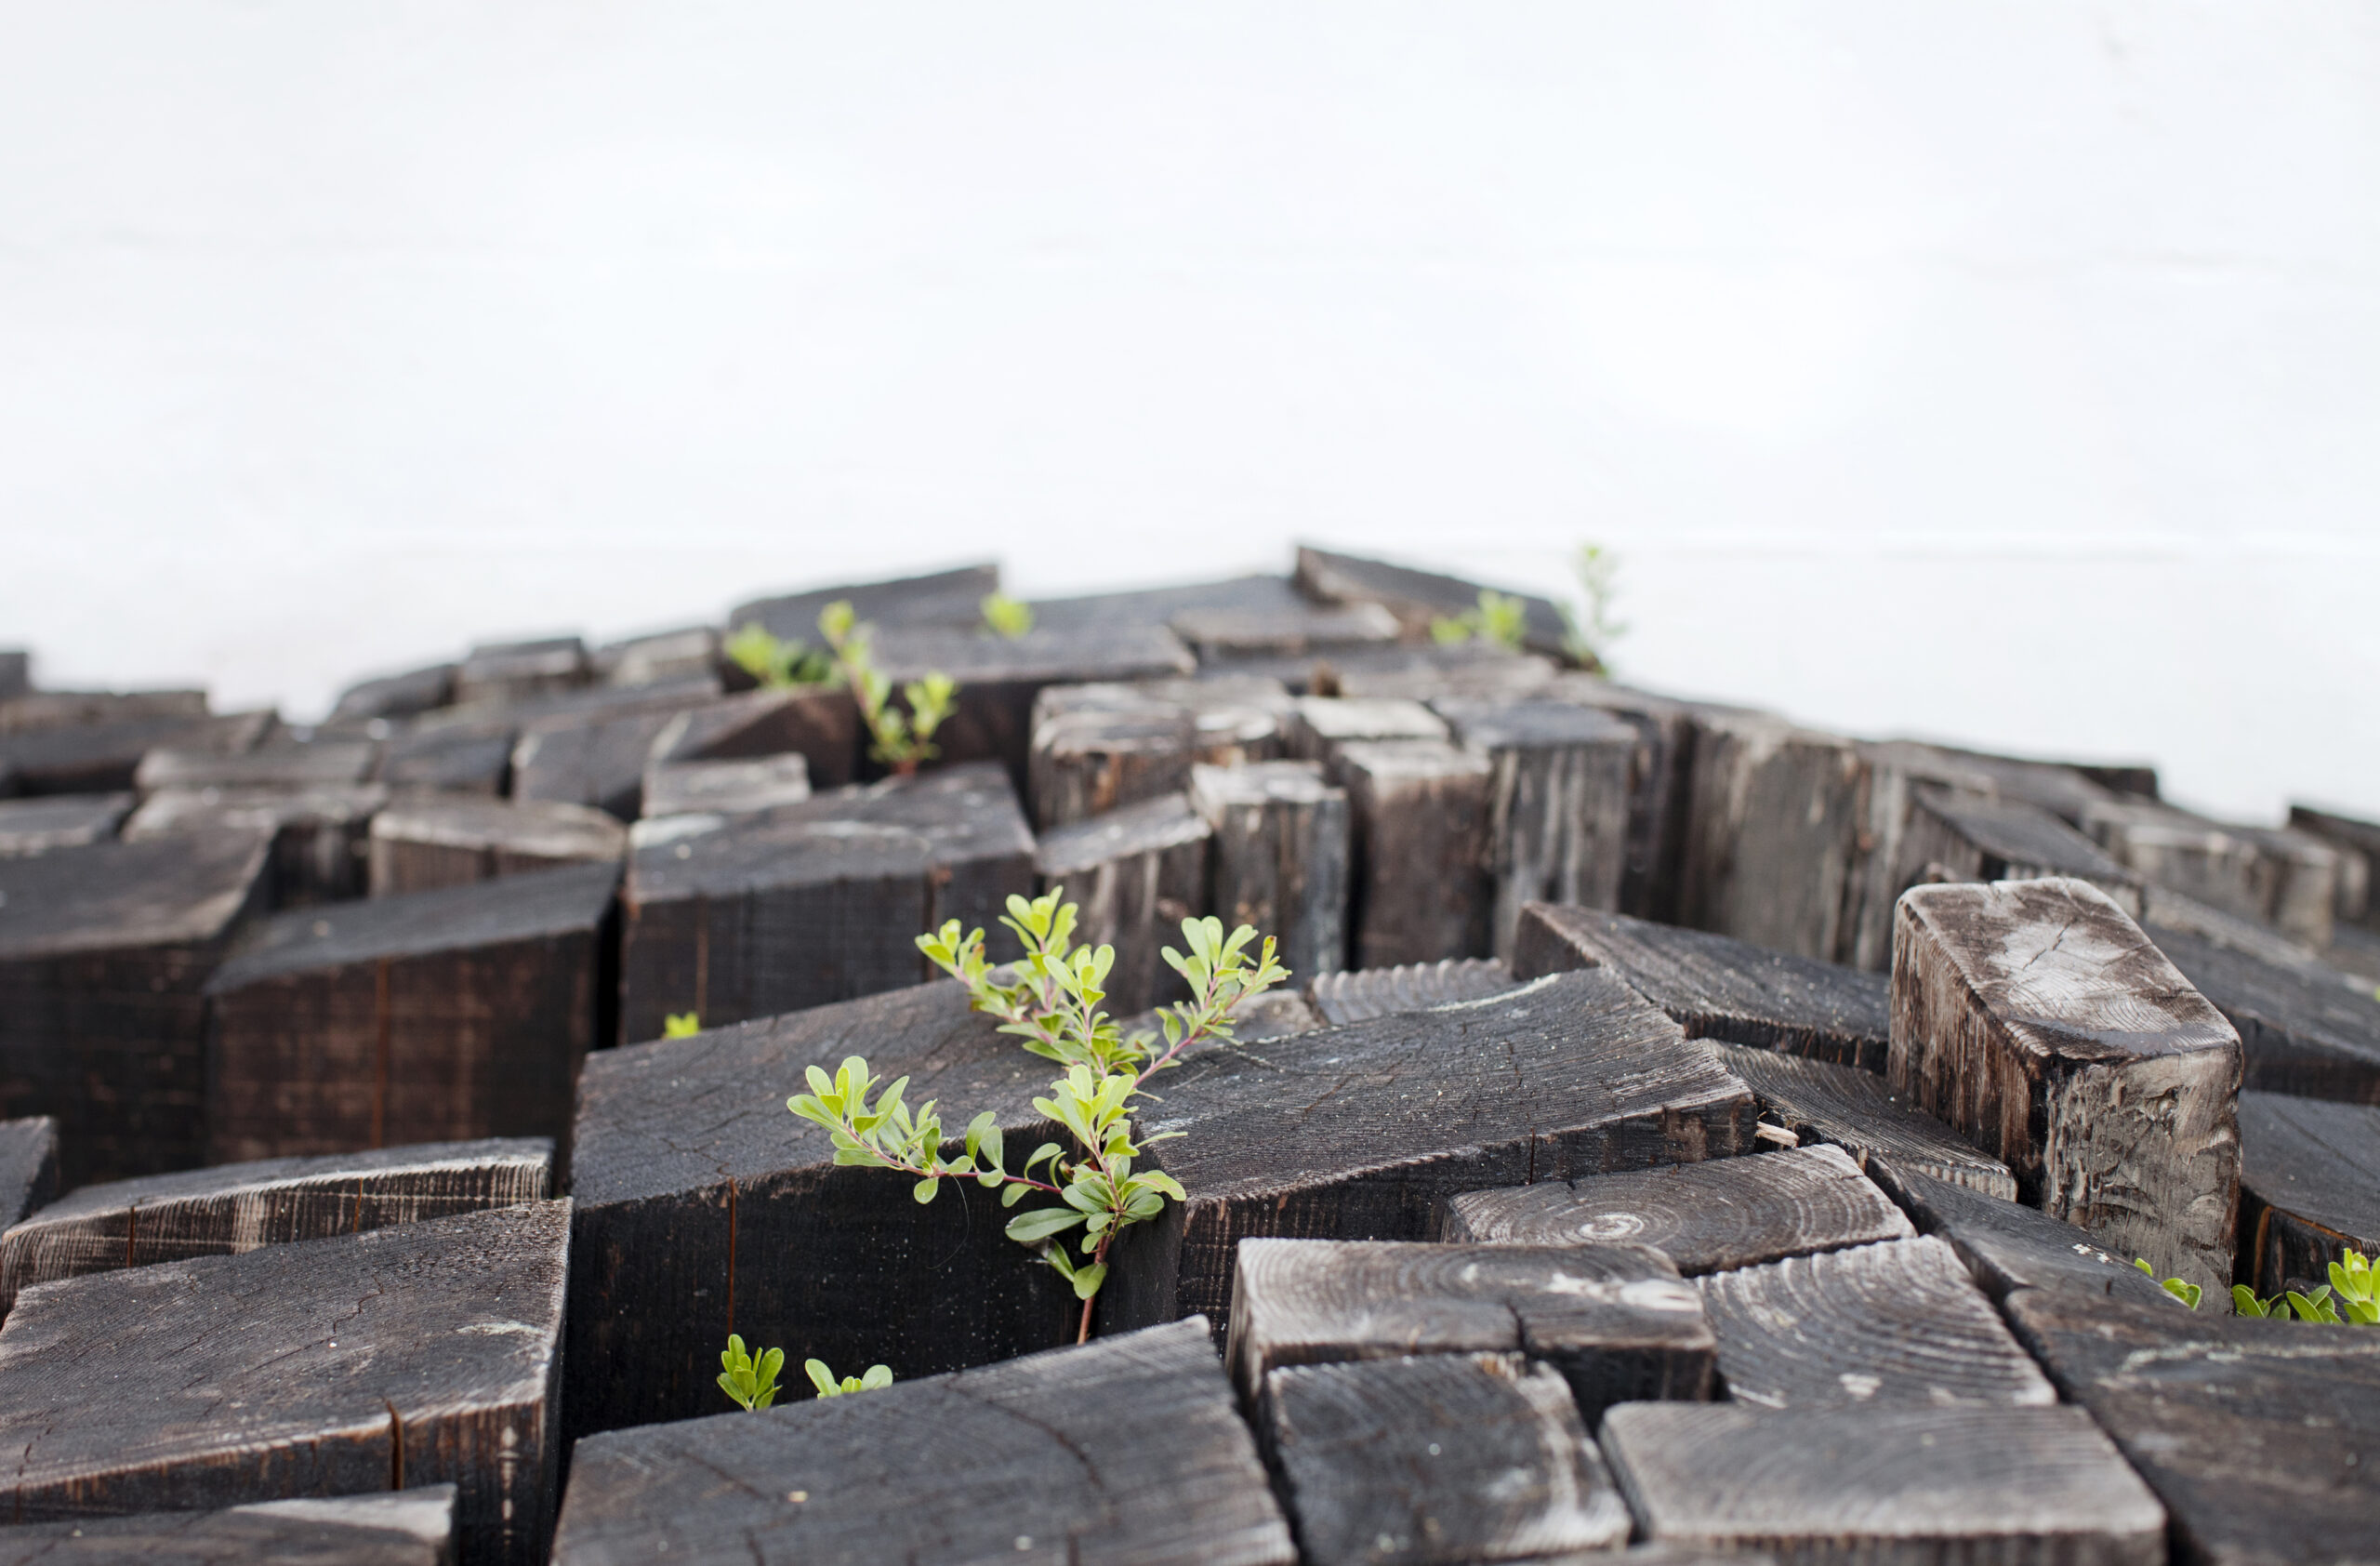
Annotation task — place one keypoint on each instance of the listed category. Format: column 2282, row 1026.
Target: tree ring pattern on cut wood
column 1863, row 1114
column 1361, row 994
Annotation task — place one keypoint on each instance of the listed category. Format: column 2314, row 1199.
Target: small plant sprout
column 878, row 1378
column 1591, row 633
column 680, row 1025
column 2351, row 1295
column 1051, row 1001
column 1007, row 618
column 753, row 1382
column 1499, row 617
column 775, row 663
column 898, row 739
column 2186, row 1293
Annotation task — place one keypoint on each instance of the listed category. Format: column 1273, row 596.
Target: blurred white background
column 1999, row 370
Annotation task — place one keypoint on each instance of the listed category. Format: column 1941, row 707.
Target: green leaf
column 1031, row 1229
column 1086, row 1280
column 2244, row 1301
column 924, row 1191
column 877, row 1379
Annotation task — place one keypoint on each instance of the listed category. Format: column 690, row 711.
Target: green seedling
column 1007, row 618
column 2188, row 1293
column 876, row 1380
column 774, row 662
column 1589, row 635
column 751, row 1383
column 680, row 1025
column 2351, row 1296
column 901, row 740
column 1499, row 617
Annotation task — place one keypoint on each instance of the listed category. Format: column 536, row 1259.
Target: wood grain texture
column 1704, row 1217
column 815, row 902
column 1279, row 857
column 1322, row 723
column 1659, row 786
column 28, row 710
column 1419, row 815
column 1558, row 799
column 35, row 826
column 427, row 1017
column 421, row 1354
column 276, row 766
column 2351, row 839
column 1133, row 875
column 1864, row 1116
column 2304, row 1028
column 2063, row 788
column 1122, row 1452
column 2285, row 879
column 405, row 1527
column 320, row 832
column 1221, row 637
column 1886, row 1486
column 1570, row 1076
column 2038, row 1020
column 729, row 788
column 233, row 1208
column 1892, row 1324
column 2309, row 1189
column 521, row 670
column 2008, row 1246
column 1716, row 988
column 2262, row 1437
column 1358, row 995
column 1095, row 748
column 1961, row 838
column 1437, row 1461
column 1772, row 835
column 28, row 1166
column 1417, row 598
column 1480, row 669
column 818, row 723
column 422, row 844
column 1615, row 1320
column 1881, row 857
column 1240, row 717
column 89, row 758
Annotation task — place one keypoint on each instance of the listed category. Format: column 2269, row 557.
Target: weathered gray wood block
column 28, row 710
column 2262, row 1436
column 1417, row 598
column 1469, row 670
column 1096, row 748
column 1279, row 857
column 2008, row 1246
column 1881, row 857
column 725, row 787
column 1258, row 592
column 27, row 1165
column 2356, row 842
column 597, row 757
column 1704, row 1217
column 1134, row 875
column 1126, row 1451
column 650, row 661
column 1222, row 636
column 320, row 832
column 422, row 844
column 2309, row 1189
column 421, row 1354
column 2038, row 1020
column 1437, row 1460
column 394, row 695
column 427, row 1017
column 1864, row 1115
column 2304, row 1028
column 1420, row 813
column 1954, row 837
column 469, row 759
column 35, row 826
column 820, row 724
column 1661, row 782
column 237, row 1207
column 16, row 673
column 1358, row 995
column 272, row 766
column 402, row 1528
column 89, row 758
column 2063, row 788
column 1772, row 844
column 1322, row 723
column 944, row 598
column 1615, row 1320
column 2285, row 879
column 1885, row 1486
column 512, row 671
column 1240, row 717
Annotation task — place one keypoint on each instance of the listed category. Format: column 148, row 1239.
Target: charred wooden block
column 1557, row 802
column 1615, row 1320
column 1772, row 835
column 819, row 724
column 1124, row 1450
column 2304, row 1028
column 2309, row 1189
column 2262, row 1437
column 1438, row 1460
column 2287, row 879
column 726, row 787
column 233, row 1208
column 1221, row 636
column 1278, row 858
column 1716, row 988
column 2037, row 1019
column 813, row 902
column 423, row 1016
column 422, row 844
column 649, row 660
column 521, row 670
column 1098, row 746
column 28, row 710
column 1320, row 724
column 1358, row 995
column 1134, row 875
column 406, row 1528
column 103, row 757
column 1704, row 1217
column 395, row 695
column 277, row 766
column 1887, row 1486
column 943, row 598
column 421, row 1354
column 35, row 826
column 1418, row 598
column 597, row 757
column 1239, row 718
column 1864, row 1116
column 2357, row 844
column 27, row 1165
column 475, row 759
column 103, row 954
column 320, row 833
column 1569, row 1076
column 693, row 1184
column 1419, row 812
column 2008, row 1246
column 2008, row 839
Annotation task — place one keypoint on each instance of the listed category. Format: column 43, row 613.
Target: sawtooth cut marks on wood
column 420, row 844
column 1705, row 1217
column 2007, row 1245
column 403, row 1528
column 1885, row 1486
column 1860, row 1113
column 2309, row 1189
column 1124, row 1452
column 420, row 1354
column 1358, row 995
column 237, row 1207
column 2035, row 1017
column 1894, row 1324
column 1422, row 889
column 1279, row 857
column 1134, row 875
column 1616, row 1321
column 2304, row 1028
column 1445, row 1459
column 35, row 826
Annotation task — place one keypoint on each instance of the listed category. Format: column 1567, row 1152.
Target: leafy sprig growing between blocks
column 1050, row 1001
column 898, row 739
column 2352, row 1294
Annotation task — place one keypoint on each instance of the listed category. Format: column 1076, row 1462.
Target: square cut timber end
column 2008, row 1246
column 399, row 1528
column 1434, row 1460
column 2037, row 1019
column 1095, row 748
column 2278, row 876
column 1716, row 988
column 1419, row 811
column 1572, row 1075
column 1126, row 1451
column 237, row 1207
column 1704, row 1217
column 104, row 951
column 35, row 826
column 1320, row 724
column 1885, row 1486
column 732, row 787
column 1133, row 875
column 1358, row 995
column 422, row 843
column 1419, row 599
column 1240, row 717
column 2309, row 1189
column 421, row 1354
column 661, row 656
column 1861, row 1113
column 815, row 902
column 319, row 831
column 430, row 1016
column 819, row 724
column 693, row 1184
column 1894, row 1324
column 1279, row 857
column 1616, row 1321
column 2305, row 1029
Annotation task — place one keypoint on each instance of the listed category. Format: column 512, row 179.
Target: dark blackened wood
column 1279, row 857
column 31, row 711
column 1224, row 636
column 2008, row 1246
column 1866, row 1116
column 2038, row 1020
column 420, row 1354
column 474, row 760
column 599, row 758
column 16, row 673
column 1716, row 988
column 1419, row 812
column 945, row 598
column 60, row 821
column 321, row 841
column 2356, row 842
column 1098, row 746
column 407, row 1528
column 813, row 902
column 818, row 723
column 513, row 672
column 1892, row 1324
column 421, row 845
column 2309, row 1189
column 2262, row 1437
column 1240, row 717
column 275, row 767
column 2285, row 879
column 1573, row 1075
column 27, row 1165
column 104, row 951
column 1882, row 859
column 1134, row 875
column 1705, row 1217
column 1772, row 849
column 1323, row 724
column 727, row 787
column 1125, row 1452
column 1888, row 1486
column 648, row 660
column 422, row 1016
column 231, row 1208
column 1557, row 801
column 95, row 758
column 1439, row 1460
column 395, row 695
column 1616, row 1321
column 1359, row 995
column 1418, row 597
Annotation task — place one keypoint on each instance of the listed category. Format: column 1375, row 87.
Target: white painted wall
column 2004, row 370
